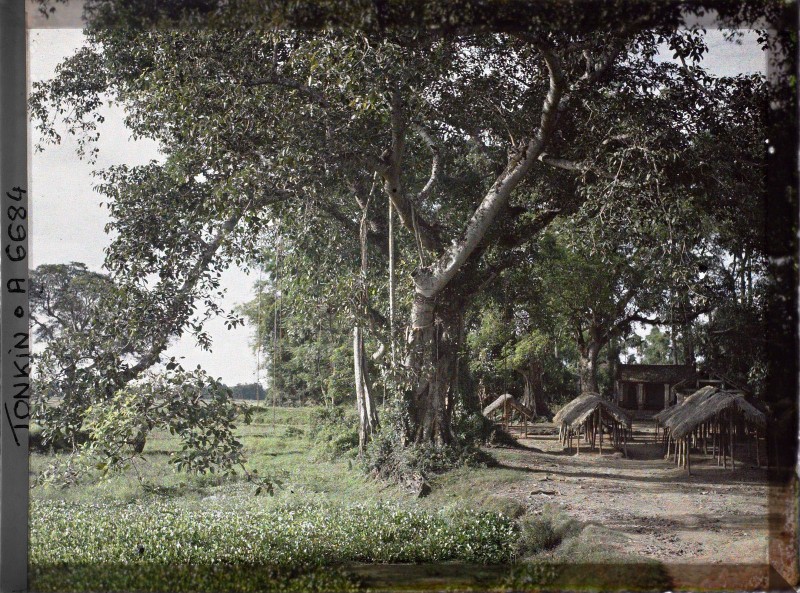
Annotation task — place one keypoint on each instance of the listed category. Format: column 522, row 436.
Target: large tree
column 478, row 140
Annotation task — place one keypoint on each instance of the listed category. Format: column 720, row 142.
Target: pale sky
column 67, row 220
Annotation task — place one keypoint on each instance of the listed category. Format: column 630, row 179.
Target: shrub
column 293, row 431
column 389, row 457
column 537, row 534
column 334, row 432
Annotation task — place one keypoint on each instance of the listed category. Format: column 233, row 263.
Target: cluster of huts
column 692, row 414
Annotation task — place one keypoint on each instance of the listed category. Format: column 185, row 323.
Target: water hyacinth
column 288, row 539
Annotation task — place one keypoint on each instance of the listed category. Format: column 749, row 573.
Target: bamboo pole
column 723, row 444
column 688, row 461
column 600, row 428
column 758, row 456
column 705, row 438
column 730, row 424
column 625, row 440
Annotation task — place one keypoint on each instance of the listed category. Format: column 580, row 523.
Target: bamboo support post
column 758, row 456
column 625, row 440
column 730, row 424
column 723, row 444
column 600, row 428
column 688, row 461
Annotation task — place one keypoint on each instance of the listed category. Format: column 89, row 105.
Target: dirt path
column 715, row 516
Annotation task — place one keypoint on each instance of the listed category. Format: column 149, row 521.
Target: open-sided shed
column 711, row 419
column 592, row 416
column 507, row 404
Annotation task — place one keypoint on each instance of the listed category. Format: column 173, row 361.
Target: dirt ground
column 688, row 522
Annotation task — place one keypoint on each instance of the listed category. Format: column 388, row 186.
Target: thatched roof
column 664, row 415
column 579, row 409
column 655, row 373
column 704, row 409
column 512, row 402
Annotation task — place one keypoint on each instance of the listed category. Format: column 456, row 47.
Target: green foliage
column 248, row 391
column 303, row 336
column 277, row 140
column 733, row 342
column 191, row 405
column 283, row 541
column 656, row 348
column 390, row 458
column 62, row 298
column 334, row 432
column 293, row 431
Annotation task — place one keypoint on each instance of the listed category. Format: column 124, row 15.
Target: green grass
column 153, row 529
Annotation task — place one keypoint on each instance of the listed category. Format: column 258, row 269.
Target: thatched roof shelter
column 710, row 407
column 506, row 404
column 589, row 414
column 711, row 418
column 509, row 400
column 580, row 408
column 683, row 408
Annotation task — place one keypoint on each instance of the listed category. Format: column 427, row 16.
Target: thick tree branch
column 432, row 280
column 409, row 215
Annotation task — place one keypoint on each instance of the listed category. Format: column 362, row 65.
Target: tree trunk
column 433, row 337
column 587, row 367
column 533, row 392
column 433, row 350
column 688, row 345
column 367, row 413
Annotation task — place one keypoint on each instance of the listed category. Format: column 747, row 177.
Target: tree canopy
column 476, row 132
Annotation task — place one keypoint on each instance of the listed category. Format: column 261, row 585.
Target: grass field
column 329, row 526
